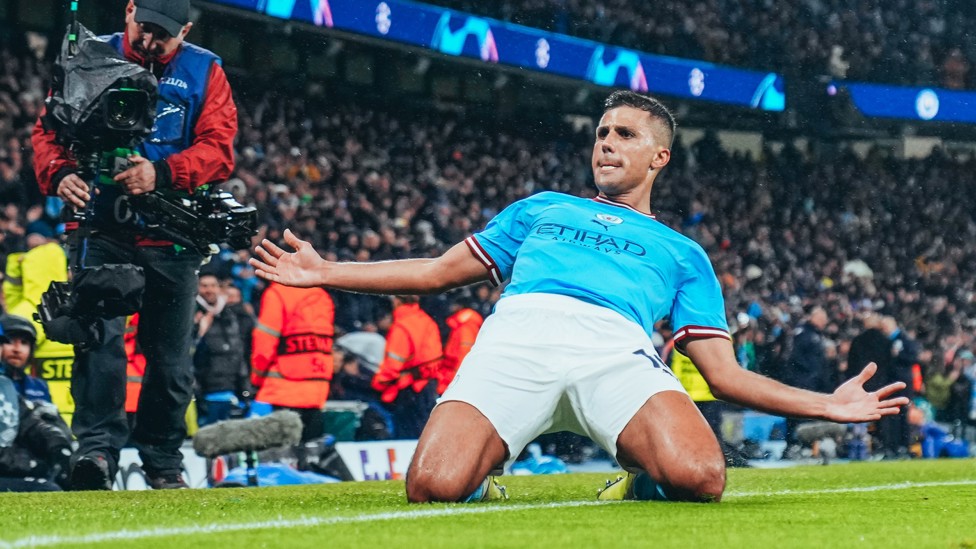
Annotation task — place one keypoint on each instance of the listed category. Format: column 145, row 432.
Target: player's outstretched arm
column 850, row 403
column 305, row 268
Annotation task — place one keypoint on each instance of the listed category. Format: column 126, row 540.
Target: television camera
column 101, row 108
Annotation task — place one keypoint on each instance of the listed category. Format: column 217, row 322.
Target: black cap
column 13, row 324
column 172, row 15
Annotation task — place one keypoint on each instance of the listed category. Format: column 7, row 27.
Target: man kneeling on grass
column 568, row 347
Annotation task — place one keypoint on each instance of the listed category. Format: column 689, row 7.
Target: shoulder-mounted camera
column 99, row 100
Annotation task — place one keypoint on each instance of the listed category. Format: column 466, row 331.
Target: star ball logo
column 696, row 82
column 383, row 20
column 542, row 53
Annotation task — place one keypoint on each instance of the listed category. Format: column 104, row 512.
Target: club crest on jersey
column 611, row 219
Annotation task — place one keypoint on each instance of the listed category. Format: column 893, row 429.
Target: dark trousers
column 165, row 325
column 313, row 421
column 8, row 484
column 411, row 410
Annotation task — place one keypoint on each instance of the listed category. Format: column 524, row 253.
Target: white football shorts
column 544, row 363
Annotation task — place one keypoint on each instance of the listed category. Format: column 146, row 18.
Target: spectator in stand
column 807, row 366
column 895, row 430
column 871, row 345
column 219, row 365
column 291, row 356
column 246, row 321
column 959, row 410
column 939, row 380
column 408, row 376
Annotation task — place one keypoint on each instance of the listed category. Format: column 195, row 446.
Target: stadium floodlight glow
column 464, row 35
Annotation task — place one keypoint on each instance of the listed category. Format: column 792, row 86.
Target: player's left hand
column 140, row 178
column 850, row 403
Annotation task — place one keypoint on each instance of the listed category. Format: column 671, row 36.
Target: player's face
column 627, row 150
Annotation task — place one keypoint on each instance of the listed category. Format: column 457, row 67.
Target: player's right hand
column 74, row 191
column 300, row 269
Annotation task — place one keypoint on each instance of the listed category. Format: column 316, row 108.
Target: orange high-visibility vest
column 291, row 352
column 135, row 366
column 413, row 353
column 464, row 325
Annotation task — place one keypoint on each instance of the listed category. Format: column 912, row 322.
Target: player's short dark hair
column 657, row 110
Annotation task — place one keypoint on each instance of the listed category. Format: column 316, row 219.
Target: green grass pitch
column 916, row 504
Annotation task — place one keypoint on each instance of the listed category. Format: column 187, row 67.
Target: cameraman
column 191, row 145
column 35, row 445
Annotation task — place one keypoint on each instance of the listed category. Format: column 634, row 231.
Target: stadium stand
column 903, row 42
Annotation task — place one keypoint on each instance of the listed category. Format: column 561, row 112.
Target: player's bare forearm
column 849, row 403
column 305, row 268
column 403, row 276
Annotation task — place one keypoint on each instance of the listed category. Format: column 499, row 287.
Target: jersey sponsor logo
column 590, row 239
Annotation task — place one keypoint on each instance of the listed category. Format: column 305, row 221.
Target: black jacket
column 871, row 346
column 218, row 359
column 807, row 367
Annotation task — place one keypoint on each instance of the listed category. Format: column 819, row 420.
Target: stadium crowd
column 902, row 42
column 787, row 231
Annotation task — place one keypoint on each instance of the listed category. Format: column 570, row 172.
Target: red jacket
column 465, row 325
column 413, row 353
column 291, row 351
column 210, row 158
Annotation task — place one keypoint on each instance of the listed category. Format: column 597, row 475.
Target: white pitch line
column 281, row 523
column 896, row 486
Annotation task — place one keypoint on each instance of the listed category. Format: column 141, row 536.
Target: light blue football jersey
column 605, row 253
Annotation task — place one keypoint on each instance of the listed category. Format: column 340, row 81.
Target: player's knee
column 711, row 482
column 701, row 480
column 427, row 485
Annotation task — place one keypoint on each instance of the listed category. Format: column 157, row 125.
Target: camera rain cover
column 85, row 72
column 108, row 291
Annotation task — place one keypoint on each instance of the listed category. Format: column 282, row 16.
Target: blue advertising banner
column 459, row 34
column 909, row 103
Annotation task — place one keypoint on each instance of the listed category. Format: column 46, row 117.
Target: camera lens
column 124, row 109
column 122, row 112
